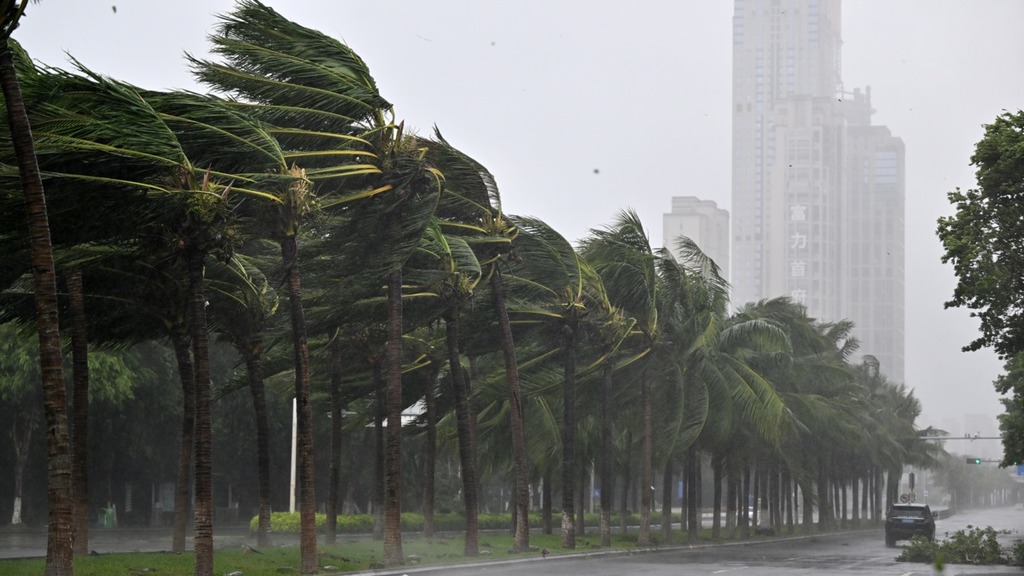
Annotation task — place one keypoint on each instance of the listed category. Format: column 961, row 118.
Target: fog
column 581, row 108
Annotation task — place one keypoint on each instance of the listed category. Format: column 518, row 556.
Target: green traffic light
column 974, row 460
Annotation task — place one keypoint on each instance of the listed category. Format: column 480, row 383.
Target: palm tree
column 453, row 285
column 80, row 407
column 709, row 352
column 85, row 131
column 325, row 110
column 59, row 552
column 471, row 209
column 556, row 292
column 263, row 70
column 242, row 305
column 621, row 254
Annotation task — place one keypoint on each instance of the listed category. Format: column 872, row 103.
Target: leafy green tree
column 114, row 374
column 1011, row 422
column 19, row 374
column 984, row 238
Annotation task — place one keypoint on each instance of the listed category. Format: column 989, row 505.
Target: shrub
column 970, row 546
column 288, row 522
column 973, row 546
column 1016, row 554
column 920, row 549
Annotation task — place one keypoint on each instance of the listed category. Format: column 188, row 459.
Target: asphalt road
column 851, row 553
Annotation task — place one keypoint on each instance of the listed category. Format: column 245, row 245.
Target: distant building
column 817, row 191
column 873, row 248
column 701, row 221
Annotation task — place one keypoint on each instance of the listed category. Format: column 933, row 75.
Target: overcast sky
column 582, row 108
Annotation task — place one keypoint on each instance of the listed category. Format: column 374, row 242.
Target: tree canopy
column 984, row 238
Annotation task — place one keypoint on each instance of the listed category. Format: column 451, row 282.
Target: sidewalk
column 30, row 542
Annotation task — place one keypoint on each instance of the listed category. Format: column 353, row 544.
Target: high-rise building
column 873, row 243
column 701, row 221
column 817, row 191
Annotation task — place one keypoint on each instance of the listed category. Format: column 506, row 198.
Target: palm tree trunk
column 581, row 507
column 808, row 497
column 692, row 494
column 844, row 520
column 744, row 503
column 606, row 455
column 393, row 454
column 731, row 497
column 464, row 425
column 788, row 493
column 59, row 547
column 336, row 438
column 522, row 538
column 430, row 456
column 254, row 371
column 756, row 515
column 547, row 504
column 379, row 413
column 568, row 440
column 307, row 497
column 666, row 502
column 80, row 411
column 855, row 500
column 777, row 500
column 824, row 506
column 879, row 512
column 865, row 483
column 716, row 497
column 647, row 454
column 624, row 496
column 186, row 373
column 203, row 521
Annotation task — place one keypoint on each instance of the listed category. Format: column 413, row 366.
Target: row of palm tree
column 177, row 216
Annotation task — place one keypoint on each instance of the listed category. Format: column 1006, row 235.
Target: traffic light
column 974, row 460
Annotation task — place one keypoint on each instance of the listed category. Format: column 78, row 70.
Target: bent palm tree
column 59, row 553
column 621, row 254
column 338, row 132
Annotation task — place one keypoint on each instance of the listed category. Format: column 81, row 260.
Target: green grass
column 351, row 554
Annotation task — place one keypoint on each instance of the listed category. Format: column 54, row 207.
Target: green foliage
column 920, row 549
column 984, row 238
column 356, row 555
column 970, row 546
column 1011, row 422
column 1016, row 553
column 19, row 364
column 288, row 522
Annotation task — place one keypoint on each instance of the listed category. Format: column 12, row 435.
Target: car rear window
column 909, row 512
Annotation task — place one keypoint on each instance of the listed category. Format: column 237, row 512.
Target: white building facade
column 701, row 221
column 817, row 191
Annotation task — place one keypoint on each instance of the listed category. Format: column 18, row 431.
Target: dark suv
column 904, row 521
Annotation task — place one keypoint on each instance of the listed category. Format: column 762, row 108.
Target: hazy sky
column 584, row 107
